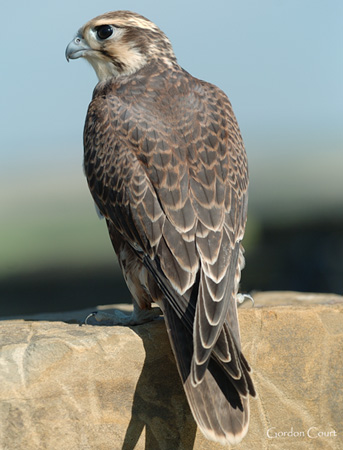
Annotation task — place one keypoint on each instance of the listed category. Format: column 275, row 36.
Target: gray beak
column 76, row 48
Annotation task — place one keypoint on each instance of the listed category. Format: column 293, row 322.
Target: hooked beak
column 77, row 48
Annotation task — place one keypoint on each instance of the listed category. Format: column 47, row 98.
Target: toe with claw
column 117, row 317
column 241, row 298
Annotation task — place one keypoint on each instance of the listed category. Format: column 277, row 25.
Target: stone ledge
column 63, row 386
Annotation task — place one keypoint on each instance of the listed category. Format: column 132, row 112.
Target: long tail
column 220, row 403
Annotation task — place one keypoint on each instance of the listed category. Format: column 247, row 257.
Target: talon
column 241, row 298
column 92, row 314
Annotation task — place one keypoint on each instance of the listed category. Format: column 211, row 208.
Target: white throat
column 131, row 60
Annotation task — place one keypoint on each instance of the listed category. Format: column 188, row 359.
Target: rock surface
column 68, row 387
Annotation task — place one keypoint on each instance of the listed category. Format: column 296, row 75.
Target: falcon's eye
column 104, row 31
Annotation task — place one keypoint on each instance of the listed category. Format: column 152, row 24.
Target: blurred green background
column 280, row 64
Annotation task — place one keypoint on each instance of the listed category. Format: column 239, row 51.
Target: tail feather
column 219, row 403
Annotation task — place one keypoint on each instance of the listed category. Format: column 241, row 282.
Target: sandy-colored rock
column 68, row 387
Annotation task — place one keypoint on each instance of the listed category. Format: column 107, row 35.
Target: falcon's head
column 120, row 43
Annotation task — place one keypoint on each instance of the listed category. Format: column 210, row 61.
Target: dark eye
column 104, row 31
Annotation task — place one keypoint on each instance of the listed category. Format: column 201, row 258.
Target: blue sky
column 279, row 61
